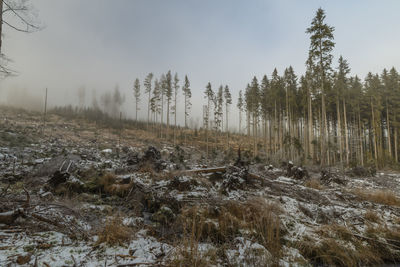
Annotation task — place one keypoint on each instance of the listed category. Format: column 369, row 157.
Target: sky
column 98, row 44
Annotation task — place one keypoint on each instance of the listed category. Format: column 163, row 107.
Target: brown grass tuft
column 257, row 219
column 108, row 182
column 107, row 179
column 371, row 216
column 313, row 183
column 385, row 197
column 338, row 246
column 114, row 232
column 188, row 253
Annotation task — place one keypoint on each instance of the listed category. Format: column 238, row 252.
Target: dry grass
column 313, row 183
column 114, row 232
column 385, row 197
column 257, row 219
column 107, row 179
column 109, row 185
column 188, row 253
column 371, row 216
column 338, row 246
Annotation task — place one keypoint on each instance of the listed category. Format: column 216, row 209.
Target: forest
column 325, row 116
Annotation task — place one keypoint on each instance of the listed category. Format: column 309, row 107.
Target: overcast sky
column 101, row 43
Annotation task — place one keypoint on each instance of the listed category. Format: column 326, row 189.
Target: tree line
column 324, row 116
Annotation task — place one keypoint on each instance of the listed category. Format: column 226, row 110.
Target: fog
column 87, row 48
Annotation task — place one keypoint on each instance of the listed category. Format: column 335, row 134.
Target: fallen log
column 207, row 170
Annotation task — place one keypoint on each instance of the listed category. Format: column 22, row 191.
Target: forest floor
column 77, row 194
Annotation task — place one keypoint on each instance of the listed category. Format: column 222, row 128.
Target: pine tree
column 341, row 88
column 136, row 89
column 174, row 108
column 147, row 86
column 240, row 106
column 265, row 105
column 253, row 106
column 163, row 86
column 290, row 83
column 218, row 114
column 188, row 94
column 321, row 47
column 155, row 100
column 209, row 95
column 168, row 95
column 228, row 102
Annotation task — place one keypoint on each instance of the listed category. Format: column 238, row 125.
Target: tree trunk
column 360, row 133
column 148, row 110
column 167, row 134
column 162, row 113
column 248, row 123
column 226, row 126
column 339, row 130
column 388, row 131
column 346, row 134
column 310, row 123
column 175, row 110
column 240, row 121
column 395, row 145
column 374, row 134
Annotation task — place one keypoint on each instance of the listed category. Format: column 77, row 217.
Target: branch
column 15, row 28
column 19, row 16
column 15, row 9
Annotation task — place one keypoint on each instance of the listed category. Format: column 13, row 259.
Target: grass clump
column 256, row 220
column 385, row 197
column 337, row 245
column 114, row 232
column 313, row 183
column 371, row 216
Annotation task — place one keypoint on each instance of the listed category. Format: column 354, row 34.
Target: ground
column 75, row 193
